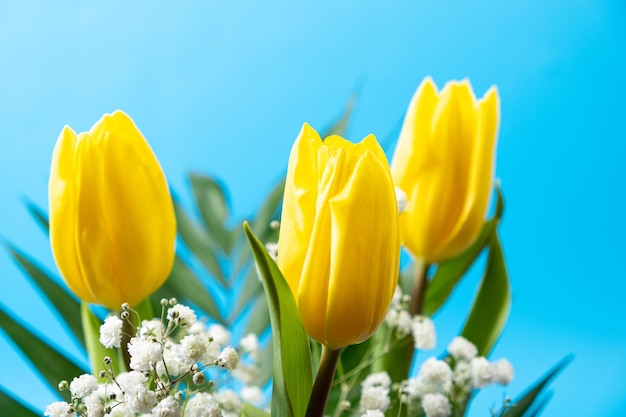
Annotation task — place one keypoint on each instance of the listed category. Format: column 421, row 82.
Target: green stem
column 127, row 331
column 418, row 293
column 323, row 382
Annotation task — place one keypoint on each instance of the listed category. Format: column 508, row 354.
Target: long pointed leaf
column 213, row 208
column 199, row 243
column 293, row 376
column 11, row 406
column 528, row 398
column 183, row 284
column 492, row 304
column 61, row 300
column 52, row 365
column 95, row 350
column 39, row 215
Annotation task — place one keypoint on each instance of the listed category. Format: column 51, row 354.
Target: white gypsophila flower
column 151, row 330
column 229, row 401
column 378, row 379
column 436, row 405
column 272, row 249
column 197, row 328
column 397, row 296
column 462, row 375
column 174, row 362
column 373, row 413
column 58, row 409
column 193, row 347
column 462, row 349
column 252, row 395
column 83, row 385
column 483, row 372
column 503, row 372
column 96, row 401
column 403, row 203
column 111, row 332
column 228, row 358
column 424, row 335
column 181, row 315
column 374, row 398
column 140, row 399
column 410, row 390
column 212, row 353
column 203, row 405
column 250, row 344
column 128, row 380
column 434, row 376
column 144, row 354
column 167, row 407
column 219, row 333
column 120, row 410
column 401, row 321
column 246, row 373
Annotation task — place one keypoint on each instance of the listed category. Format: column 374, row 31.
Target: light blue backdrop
column 222, row 87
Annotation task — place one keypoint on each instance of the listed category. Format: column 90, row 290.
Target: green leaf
column 492, row 304
column 450, row 272
column 532, row 400
column 95, row 350
column 259, row 316
column 11, row 406
column 249, row 410
column 199, row 243
column 268, row 211
column 293, row 375
column 39, row 215
column 183, row 284
column 52, row 365
column 64, row 303
column 213, row 208
column 251, row 289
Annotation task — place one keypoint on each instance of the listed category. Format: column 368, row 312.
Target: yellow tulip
column 444, row 163
column 112, row 224
column 339, row 244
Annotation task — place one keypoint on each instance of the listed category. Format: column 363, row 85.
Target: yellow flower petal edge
column 112, row 223
column 444, row 162
column 339, row 242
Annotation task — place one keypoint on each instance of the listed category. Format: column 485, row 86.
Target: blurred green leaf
column 183, row 284
column 532, row 401
column 450, row 272
column 492, row 304
column 199, row 243
column 249, row 410
column 293, row 376
column 39, row 215
column 259, row 316
column 266, row 363
column 52, row 365
column 213, row 208
column 268, row 211
column 340, row 126
column 11, row 406
column 95, row 350
column 251, row 288
column 64, row 303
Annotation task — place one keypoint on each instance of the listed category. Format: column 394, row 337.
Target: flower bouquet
column 324, row 312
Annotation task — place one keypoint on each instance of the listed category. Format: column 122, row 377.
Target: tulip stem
column 323, row 382
column 420, row 283
column 127, row 332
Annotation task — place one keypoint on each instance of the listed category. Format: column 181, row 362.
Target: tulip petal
column 62, row 201
column 298, row 205
column 364, row 252
column 480, row 178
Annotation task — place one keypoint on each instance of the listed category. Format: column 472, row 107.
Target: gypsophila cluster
column 176, row 367
column 421, row 328
column 442, row 384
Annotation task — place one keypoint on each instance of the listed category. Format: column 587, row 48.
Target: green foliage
column 492, row 304
column 11, row 406
column 52, row 365
column 293, row 376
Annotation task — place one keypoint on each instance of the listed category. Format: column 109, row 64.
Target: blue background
column 223, row 87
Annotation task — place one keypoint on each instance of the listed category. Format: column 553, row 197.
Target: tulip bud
column 339, row 245
column 444, row 163
column 112, row 224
